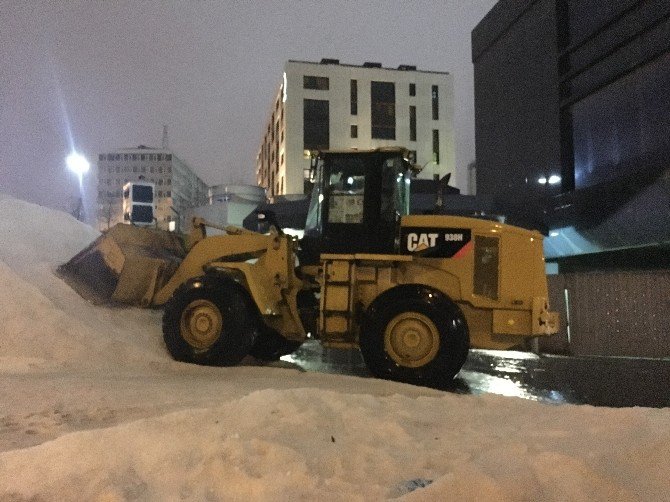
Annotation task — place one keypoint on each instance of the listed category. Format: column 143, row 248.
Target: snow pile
column 34, row 235
column 92, row 408
column 43, row 320
column 324, row 445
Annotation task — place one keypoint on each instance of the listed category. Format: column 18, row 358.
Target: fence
column 611, row 313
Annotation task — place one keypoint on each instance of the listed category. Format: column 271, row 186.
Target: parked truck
column 413, row 292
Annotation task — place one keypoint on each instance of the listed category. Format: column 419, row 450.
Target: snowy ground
column 93, row 408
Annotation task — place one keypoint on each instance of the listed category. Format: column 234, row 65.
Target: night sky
column 102, row 75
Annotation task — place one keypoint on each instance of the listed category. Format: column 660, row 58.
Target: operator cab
column 357, row 201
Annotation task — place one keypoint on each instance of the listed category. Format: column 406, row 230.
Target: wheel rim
column 201, row 324
column 411, row 339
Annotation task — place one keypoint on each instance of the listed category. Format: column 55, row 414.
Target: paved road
column 598, row 381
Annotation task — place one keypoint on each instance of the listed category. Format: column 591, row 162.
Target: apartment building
column 329, row 105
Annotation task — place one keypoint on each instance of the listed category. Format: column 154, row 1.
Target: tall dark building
column 572, row 119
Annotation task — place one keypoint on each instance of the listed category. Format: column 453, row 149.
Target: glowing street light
column 77, row 163
column 553, row 179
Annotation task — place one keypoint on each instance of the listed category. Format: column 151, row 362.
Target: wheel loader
column 413, row 292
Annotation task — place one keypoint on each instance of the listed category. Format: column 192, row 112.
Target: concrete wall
column 612, row 313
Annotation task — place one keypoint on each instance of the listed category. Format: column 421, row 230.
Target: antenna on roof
column 165, row 138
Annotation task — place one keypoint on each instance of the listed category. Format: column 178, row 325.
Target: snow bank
column 305, row 444
column 33, row 234
column 45, row 321
column 92, row 408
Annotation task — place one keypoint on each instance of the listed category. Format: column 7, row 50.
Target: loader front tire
column 414, row 335
column 210, row 324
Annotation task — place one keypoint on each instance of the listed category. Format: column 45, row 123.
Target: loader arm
column 218, row 248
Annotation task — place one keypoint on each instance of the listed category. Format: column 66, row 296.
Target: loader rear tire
column 414, row 336
column 211, row 324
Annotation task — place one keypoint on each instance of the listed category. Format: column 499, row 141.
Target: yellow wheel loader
column 413, row 292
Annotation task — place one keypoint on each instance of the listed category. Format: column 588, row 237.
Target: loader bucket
column 126, row 264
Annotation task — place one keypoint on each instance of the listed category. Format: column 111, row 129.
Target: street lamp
column 553, row 180
column 78, row 164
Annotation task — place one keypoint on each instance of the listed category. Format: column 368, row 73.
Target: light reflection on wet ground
column 598, row 381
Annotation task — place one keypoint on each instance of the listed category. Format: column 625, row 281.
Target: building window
column 623, row 127
column 125, row 156
column 436, row 146
column 435, row 101
column 134, row 156
column 101, row 156
column 354, row 131
column 412, row 89
column 382, row 112
column 317, row 83
column 412, row 123
column 354, row 97
column 168, row 156
column 316, row 124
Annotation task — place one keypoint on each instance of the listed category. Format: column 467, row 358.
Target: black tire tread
column 238, row 333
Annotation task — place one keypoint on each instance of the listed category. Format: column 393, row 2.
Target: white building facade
column 335, row 106
column 178, row 188
column 228, row 205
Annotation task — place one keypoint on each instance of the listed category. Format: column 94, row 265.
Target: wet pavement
column 597, row 381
